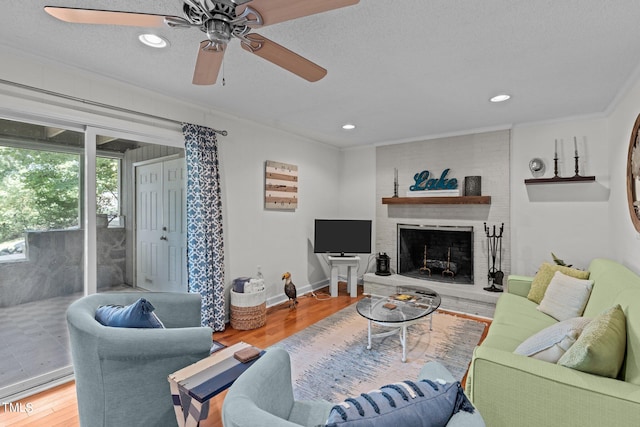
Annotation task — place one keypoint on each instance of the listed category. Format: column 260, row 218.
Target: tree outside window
column 40, row 190
column 107, row 187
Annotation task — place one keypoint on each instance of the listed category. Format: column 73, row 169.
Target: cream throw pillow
column 544, row 275
column 601, row 347
column 552, row 342
column 565, row 297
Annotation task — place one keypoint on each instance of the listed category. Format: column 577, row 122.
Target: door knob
column 163, row 238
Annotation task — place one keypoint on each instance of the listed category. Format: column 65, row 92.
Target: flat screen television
column 342, row 236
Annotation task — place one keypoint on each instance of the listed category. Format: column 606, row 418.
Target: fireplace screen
column 436, row 253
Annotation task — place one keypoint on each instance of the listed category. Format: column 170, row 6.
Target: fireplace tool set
column 494, row 250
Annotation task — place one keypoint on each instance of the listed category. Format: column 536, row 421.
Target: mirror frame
column 633, row 180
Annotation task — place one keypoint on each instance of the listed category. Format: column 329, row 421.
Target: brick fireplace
column 482, row 154
column 436, row 253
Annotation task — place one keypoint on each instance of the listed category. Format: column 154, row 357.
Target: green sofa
column 513, row 390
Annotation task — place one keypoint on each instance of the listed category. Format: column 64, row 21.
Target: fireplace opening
column 436, row 253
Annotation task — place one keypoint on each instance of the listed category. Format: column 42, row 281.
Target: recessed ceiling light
column 500, row 98
column 348, row 126
column 153, row 40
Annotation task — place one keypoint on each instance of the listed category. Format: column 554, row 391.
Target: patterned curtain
column 205, row 249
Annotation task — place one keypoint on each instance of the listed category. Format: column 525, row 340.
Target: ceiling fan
column 222, row 20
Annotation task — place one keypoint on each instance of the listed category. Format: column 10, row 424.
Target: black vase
column 472, row 185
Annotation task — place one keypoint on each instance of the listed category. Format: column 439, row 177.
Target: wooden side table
column 193, row 386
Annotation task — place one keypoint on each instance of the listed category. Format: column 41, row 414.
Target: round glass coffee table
column 409, row 306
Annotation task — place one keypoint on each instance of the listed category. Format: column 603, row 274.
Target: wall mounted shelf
column 459, row 200
column 581, row 189
column 560, row 180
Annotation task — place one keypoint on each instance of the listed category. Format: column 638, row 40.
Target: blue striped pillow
column 421, row 403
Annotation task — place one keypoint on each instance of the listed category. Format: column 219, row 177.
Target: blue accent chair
column 263, row 397
column 121, row 373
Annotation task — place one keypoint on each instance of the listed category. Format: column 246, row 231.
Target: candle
column 395, row 175
column 575, row 145
column 556, row 152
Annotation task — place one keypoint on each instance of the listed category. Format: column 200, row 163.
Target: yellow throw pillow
column 544, row 275
column 600, row 348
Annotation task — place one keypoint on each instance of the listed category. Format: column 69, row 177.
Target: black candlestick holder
column 395, row 183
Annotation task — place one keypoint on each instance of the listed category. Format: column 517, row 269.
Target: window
column 108, row 190
column 39, row 191
column 40, row 184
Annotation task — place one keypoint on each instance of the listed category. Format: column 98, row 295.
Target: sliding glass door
column 41, row 250
column 68, row 229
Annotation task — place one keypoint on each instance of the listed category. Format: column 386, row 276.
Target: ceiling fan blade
column 94, row 16
column 274, row 11
column 207, row 64
column 283, row 57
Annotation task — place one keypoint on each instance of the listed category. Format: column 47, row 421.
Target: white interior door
column 175, row 223
column 161, row 229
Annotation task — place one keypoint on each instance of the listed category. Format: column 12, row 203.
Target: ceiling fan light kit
column 221, row 21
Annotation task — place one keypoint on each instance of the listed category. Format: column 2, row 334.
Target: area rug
column 330, row 360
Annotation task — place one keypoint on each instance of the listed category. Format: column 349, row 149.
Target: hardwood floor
column 58, row 406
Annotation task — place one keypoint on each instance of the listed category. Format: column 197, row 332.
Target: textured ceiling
column 400, row 70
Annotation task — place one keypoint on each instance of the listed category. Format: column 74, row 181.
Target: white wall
column 357, row 194
column 570, row 220
column 596, row 222
column 278, row 241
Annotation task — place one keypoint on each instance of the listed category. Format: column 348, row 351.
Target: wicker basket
column 248, row 311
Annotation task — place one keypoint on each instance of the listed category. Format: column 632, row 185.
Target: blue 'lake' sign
column 423, row 182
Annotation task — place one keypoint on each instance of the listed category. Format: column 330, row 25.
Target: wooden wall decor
column 633, row 175
column 280, row 186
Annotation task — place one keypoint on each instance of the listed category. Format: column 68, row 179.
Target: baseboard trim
column 281, row 298
column 302, row 290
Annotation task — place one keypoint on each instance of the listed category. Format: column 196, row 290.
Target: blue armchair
column 121, row 373
column 263, row 397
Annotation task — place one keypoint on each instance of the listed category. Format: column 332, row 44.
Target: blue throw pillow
column 137, row 315
column 408, row 404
